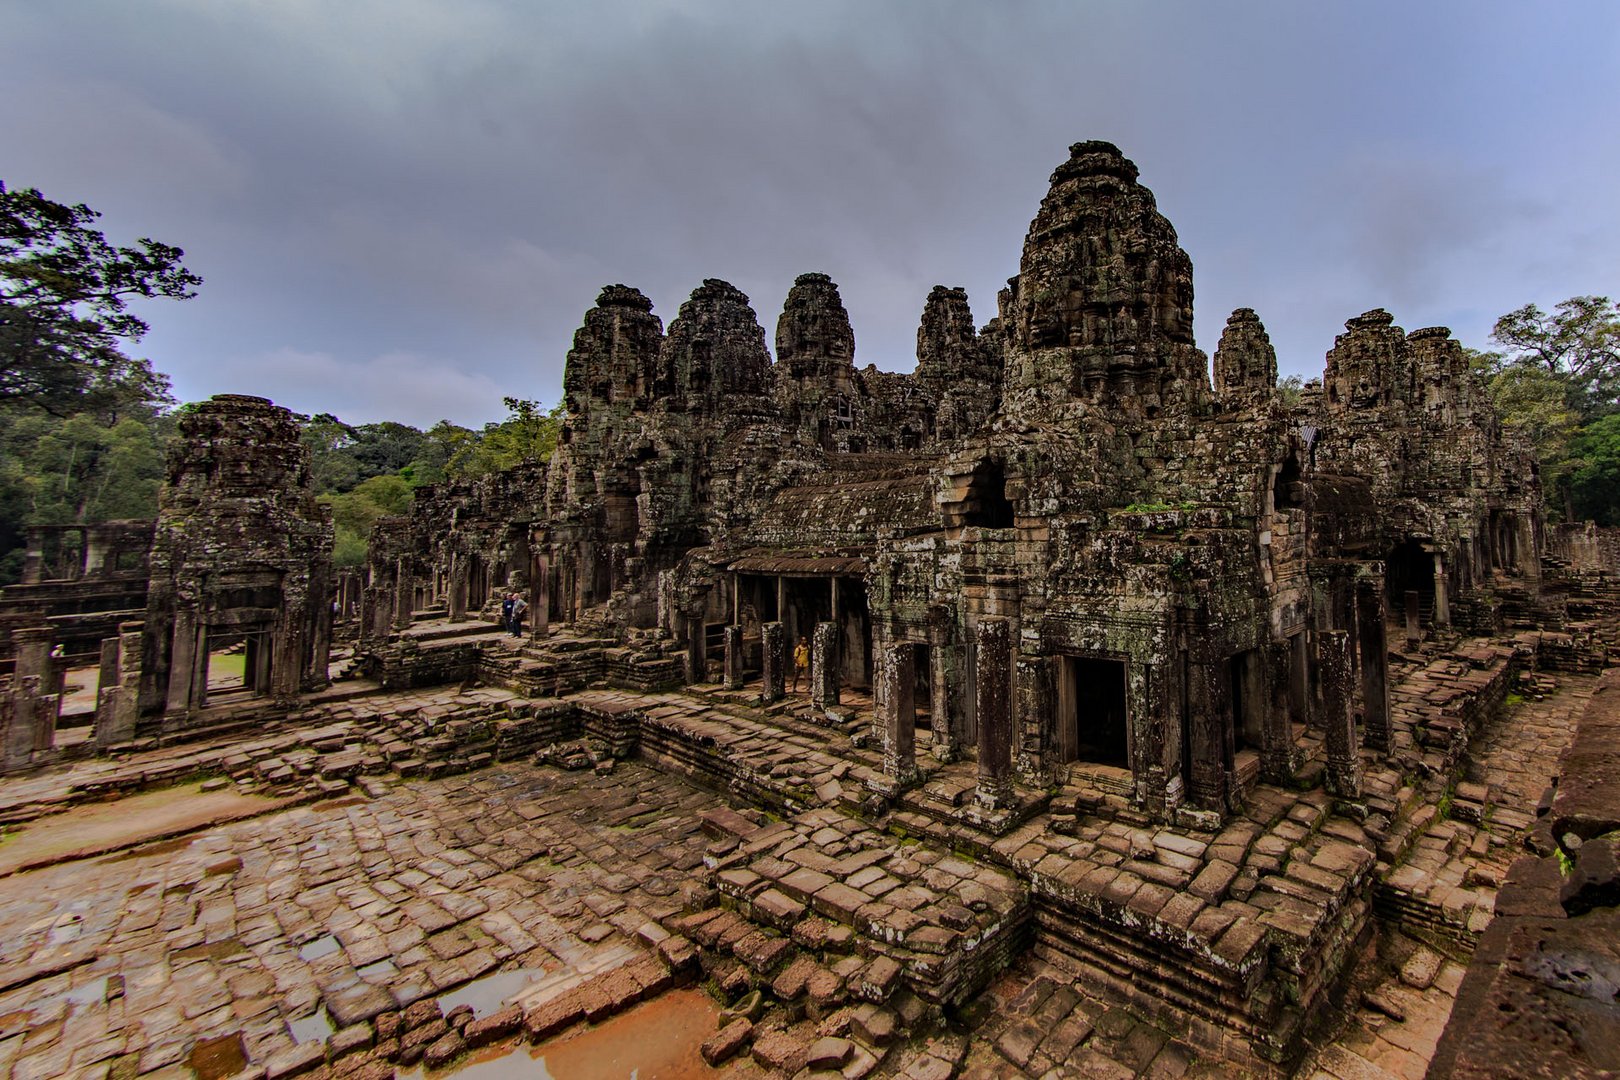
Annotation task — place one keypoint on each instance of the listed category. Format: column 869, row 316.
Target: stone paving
column 274, row 940
column 120, row 965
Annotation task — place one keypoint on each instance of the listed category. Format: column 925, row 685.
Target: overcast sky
column 402, row 209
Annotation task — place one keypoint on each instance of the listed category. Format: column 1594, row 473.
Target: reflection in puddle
column 321, row 946
column 656, row 1040
column 90, row 993
column 489, row 994
column 312, row 1028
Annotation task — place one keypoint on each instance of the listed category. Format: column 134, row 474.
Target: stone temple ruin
column 1167, row 685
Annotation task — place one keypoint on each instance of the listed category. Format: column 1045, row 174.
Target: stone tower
column 1244, row 360
column 1100, row 314
column 241, row 552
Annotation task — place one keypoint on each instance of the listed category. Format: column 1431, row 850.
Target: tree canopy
column 64, row 295
column 1556, row 379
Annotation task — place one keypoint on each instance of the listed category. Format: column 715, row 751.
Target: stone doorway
column 1092, row 717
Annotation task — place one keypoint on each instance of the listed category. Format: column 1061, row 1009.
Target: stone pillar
column 1204, row 694
column 824, row 665
column 33, row 651
column 993, row 702
column 17, row 723
column 182, row 662
column 734, row 657
column 1414, row 633
column 46, row 709
column 897, row 670
column 458, row 587
column 33, row 568
column 1277, row 736
column 774, row 659
column 944, row 700
column 1374, row 649
column 107, row 673
column 118, row 704
column 404, row 594
column 1036, row 690
column 696, row 659
column 1442, row 604
column 540, row 598
column 1333, row 671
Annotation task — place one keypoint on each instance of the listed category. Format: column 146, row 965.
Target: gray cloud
column 448, row 186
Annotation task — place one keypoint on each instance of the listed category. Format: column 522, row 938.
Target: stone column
column 1204, row 694
column 46, row 709
column 118, row 704
column 944, row 700
column 1442, row 604
column 17, row 723
column 33, row 651
column 1033, row 757
column 1414, row 633
column 1374, row 648
column 824, row 665
column 182, row 662
column 33, row 568
column 1333, row 671
column 774, row 657
column 107, row 674
column 897, row 669
column 1277, row 736
column 734, row 657
column 696, row 660
column 458, row 587
column 404, row 594
column 993, row 701
column 540, row 598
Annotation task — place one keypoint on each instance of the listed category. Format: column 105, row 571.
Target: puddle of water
column 312, row 1028
column 656, row 1040
column 90, row 993
column 66, row 929
column 324, row 945
column 489, row 994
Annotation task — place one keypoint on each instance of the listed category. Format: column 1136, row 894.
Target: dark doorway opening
column 1408, row 567
column 1092, row 719
column 987, row 505
column 1248, row 700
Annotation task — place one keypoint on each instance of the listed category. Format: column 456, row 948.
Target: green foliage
column 368, row 471
column 64, row 292
column 83, row 469
column 527, row 434
column 1557, row 382
column 1289, row 389
column 1578, row 342
column 1594, row 471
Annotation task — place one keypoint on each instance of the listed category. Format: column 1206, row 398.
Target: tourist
column 519, row 606
column 801, row 661
column 506, row 611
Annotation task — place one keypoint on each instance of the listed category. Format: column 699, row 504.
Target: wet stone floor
column 294, row 926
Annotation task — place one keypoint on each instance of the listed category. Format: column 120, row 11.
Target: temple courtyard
column 329, row 893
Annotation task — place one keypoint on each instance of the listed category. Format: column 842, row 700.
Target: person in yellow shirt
column 801, row 662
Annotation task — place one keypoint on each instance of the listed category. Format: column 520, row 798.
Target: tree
column 1578, row 343
column 1595, row 479
column 64, row 294
column 527, row 434
column 1534, row 402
